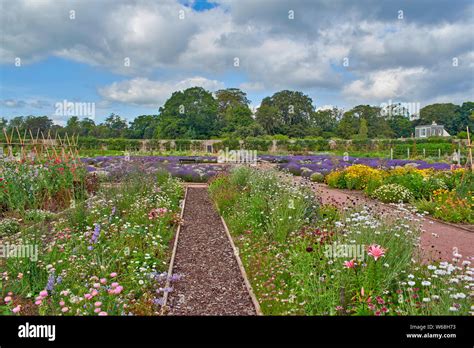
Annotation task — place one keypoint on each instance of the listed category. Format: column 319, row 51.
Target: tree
column 293, row 108
column 324, row 122
column 401, row 126
column 467, row 116
column 73, row 125
column 348, row 125
column 236, row 117
column 230, row 97
column 3, row 123
column 143, row 127
column 115, row 125
column 86, row 127
column 266, row 117
column 363, row 130
column 448, row 115
column 191, row 113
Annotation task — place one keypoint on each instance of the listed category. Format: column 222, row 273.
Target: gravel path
column 437, row 239
column 211, row 282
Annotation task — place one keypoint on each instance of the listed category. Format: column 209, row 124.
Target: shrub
column 392, row 193
column 317, row 177
column 9, row 227
column 36, row 215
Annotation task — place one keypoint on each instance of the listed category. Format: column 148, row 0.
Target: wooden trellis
column 38, row 146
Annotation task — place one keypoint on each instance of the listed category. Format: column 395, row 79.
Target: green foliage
column 191, row 113
column 317, row 177
column 9, row 227
column 258, row 201
column 392, row 193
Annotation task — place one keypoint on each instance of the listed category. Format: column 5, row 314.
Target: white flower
column 435, row 297
column 453, row 309
column 431, row 267
column 426, row 299
column 425, row 283
column 411, row 283
column 411, row 276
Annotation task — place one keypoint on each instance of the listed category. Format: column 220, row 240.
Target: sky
column 128, row 56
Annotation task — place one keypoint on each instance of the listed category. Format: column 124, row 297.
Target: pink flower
column 64, row 292
column 349, row 264
column 118, row 290
column 20, row 275
column 62, row 303
column 88, row 296
column 38, row 302
column 103, row 313
column 103, row 281
column 44, row 293
column 97, row 310
column 376, row 251
column 96, row 285
column 7, row 299
column 98, row 304
column 64, row 309
column 113, row 274
column 16, row 309
column 94, row 292
column 114, row 285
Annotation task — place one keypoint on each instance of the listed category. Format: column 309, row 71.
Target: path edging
column 428, row 217
column 258, row 310
column 173, row 254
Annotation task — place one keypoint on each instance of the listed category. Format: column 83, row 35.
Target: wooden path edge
column 258, row 310
column 173, row 254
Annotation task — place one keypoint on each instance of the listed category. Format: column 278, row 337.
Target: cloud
column 387, row 56
column 384, row 84
column 142, row 91
column 18, row 103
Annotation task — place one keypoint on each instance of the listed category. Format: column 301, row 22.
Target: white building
column 432, row 130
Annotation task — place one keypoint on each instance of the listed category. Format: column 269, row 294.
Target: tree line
column 196, row 113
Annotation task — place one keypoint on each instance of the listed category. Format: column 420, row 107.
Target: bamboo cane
column 469, row 146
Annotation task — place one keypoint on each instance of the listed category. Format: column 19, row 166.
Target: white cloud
column 141, row 91
column 387, row 57
column 384, row 84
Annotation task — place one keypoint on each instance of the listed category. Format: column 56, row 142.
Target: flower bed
column 447, row 195
column 191, row 168
column 27, row 188
column 105, row 257
column 327, row 262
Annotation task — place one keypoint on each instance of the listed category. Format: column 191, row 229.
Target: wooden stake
column 469, row 147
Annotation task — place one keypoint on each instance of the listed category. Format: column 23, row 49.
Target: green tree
column 363, row 130
column 143, row 127
column 116, row 126
column 401, row 126
column 230, row 97
column 324, row 122
column 293, row 108
column 191, row 113
column 266, row 117
column 447, row 114
column 86, row 127
column 73, row 125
